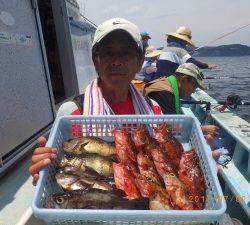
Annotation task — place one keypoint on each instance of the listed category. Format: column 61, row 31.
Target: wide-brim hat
column 192, row 70
column 150, row 47
column 183, row 33
column 153, row 53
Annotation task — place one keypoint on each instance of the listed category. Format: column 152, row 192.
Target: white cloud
column 110, row 10
column 135, row 10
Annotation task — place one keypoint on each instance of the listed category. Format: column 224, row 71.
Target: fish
column 159, row 199
column 125, row 147
column 94, row 199
column 70, row 182
column 83, row 171
column 178, row 192
column 96, row 184
column 169, row 143
column 125, row 180
column 190, row 173
column 141, row 137
column 90, row 145
column 98, row 163
column 162, row 163
column 147, row 167
column 76, row 183
column 175, row 188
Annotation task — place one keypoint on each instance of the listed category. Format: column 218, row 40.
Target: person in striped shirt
column 175, row 53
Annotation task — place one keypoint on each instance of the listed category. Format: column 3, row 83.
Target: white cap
column 117, row 24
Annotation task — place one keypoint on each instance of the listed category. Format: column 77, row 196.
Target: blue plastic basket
column 185, row 128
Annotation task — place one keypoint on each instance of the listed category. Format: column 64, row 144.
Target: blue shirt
column 171, row 57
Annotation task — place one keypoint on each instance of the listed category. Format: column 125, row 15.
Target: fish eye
column 172, row 174
column 59, row 200
column 149, row 179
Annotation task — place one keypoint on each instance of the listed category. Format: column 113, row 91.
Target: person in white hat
column 167, row 91
column 117, row 53
column 148, row 69
column 175, row 53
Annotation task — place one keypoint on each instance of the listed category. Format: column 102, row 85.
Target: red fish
column 169, row 143
column 162, row 163
column 141, row 137
column 124, row 180
column 191, row 175
column 125, row 147
column 178, row 192
column 147, row 167
column 175, row 188
column 158, row 197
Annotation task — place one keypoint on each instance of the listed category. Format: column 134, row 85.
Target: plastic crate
column 185, row 128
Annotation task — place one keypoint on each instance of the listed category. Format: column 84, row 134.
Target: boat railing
column 236, row 173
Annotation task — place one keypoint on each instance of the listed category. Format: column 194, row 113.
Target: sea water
column 231, row 77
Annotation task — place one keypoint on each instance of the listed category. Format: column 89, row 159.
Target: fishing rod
column 220, row 37
column 213, row 78
column 222, row 77
column 233, row 101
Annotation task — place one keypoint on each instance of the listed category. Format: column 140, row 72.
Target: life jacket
column 169, row 84
column 174, row 84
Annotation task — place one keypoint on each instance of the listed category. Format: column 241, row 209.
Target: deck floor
column 16, row 192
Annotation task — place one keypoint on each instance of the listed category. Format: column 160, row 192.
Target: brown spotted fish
column 91, row 145
column 74, row 183
column 100, row 164
column 94, row 199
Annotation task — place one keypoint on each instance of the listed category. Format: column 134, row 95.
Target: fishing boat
column 45, row 51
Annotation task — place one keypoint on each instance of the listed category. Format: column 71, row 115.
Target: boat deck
column 16, row 193
column 237, row 172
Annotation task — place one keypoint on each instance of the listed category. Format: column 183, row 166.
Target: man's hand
column 216, row 155
column 212, row 66
column 210, row 129
column 41, row 158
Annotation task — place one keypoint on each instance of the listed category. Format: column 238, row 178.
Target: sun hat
column 151, row 52
column 113, row 24
column 192, row 70
column 183, row 33
column 145, row 34
column 148, row 48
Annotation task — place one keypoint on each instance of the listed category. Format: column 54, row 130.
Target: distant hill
column 224, row 50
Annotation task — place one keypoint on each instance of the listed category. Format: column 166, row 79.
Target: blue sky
column 207, row 19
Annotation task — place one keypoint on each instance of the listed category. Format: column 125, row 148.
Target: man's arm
column 201, row 65
column 186, row 57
